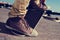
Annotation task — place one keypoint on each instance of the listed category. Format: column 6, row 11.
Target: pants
column 19, row 8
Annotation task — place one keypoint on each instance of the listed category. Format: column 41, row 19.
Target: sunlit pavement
column 48, row 30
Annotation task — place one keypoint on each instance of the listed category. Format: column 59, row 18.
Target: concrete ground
column 47, row 29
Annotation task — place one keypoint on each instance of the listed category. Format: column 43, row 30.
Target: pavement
column 47, row 29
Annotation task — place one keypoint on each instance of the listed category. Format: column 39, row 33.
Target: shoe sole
column 25, row 34
column 14, row 29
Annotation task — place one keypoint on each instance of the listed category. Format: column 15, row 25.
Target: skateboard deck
column 33, row 16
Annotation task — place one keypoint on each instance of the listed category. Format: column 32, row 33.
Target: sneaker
column 20, row 25
column 45, row 15
column 57, row 21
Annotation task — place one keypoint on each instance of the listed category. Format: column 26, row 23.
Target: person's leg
column 16, row 19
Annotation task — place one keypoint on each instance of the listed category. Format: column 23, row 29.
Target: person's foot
column 21, row 26
column 57, row 21
column 45, row 15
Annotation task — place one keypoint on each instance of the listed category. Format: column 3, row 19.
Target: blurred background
column 53, row 5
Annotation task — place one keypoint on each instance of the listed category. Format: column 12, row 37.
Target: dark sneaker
column 20, row 25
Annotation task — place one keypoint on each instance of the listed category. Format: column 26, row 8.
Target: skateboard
column 33, row 16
